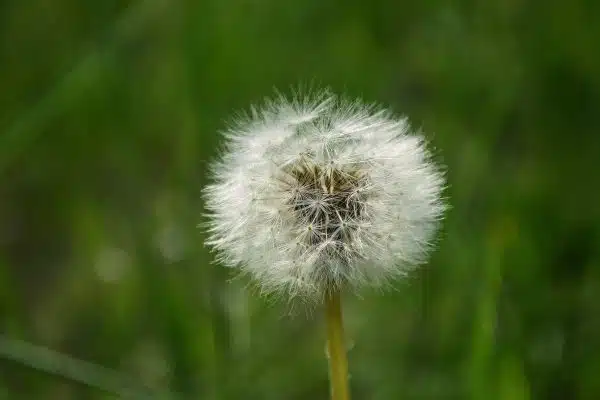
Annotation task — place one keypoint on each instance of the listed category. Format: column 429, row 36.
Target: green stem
column 338, row 361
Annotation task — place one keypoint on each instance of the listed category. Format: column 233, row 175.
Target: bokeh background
column 110, row 112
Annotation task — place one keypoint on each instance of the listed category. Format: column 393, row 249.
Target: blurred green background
column 110, row 112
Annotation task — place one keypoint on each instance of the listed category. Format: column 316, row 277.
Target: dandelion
column 320, row 194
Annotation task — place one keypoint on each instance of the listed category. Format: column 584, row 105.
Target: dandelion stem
column 338, row 361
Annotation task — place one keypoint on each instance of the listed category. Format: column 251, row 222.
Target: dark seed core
column 328, row 199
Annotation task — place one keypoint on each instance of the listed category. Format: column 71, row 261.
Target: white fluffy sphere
column 321, row 193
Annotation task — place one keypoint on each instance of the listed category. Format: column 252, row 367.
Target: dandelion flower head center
column 326, row 200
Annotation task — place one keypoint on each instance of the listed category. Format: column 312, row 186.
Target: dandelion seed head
column 322, row 193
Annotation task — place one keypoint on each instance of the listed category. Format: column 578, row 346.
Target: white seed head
column 321, row 193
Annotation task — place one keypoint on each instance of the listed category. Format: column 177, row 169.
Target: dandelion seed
column 321, row 193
